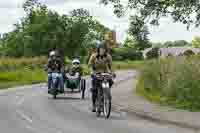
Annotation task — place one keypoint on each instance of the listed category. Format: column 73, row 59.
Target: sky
column 11, row 11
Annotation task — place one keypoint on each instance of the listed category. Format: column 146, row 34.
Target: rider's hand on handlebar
column 114, row 75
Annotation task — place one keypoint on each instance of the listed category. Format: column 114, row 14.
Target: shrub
column 174, row 78
column 11, row 64
column 188, row 53
column 120, row 54
column 153, row 53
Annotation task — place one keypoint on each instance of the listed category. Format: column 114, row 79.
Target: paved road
column 32, row 110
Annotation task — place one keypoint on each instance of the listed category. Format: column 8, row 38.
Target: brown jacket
column 100, row 64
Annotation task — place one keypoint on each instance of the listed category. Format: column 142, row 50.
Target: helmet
column 102, row 45
column 52, row 53
column 75, row 61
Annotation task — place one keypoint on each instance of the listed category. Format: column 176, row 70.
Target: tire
column 98, row 105
column 98, row 113
column 83, row 86
column 83, row 94
column 107, row 104
column 54, row 91
column 54, row 96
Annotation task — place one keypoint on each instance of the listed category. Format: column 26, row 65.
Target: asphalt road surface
column 32, row 110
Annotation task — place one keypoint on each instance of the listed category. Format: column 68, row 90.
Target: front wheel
column 98, row 104
column 107, row 105
column 83, row 86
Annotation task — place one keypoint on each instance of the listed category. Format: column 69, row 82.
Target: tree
column 42, row 30
column 196, row 42
column 81, row 13
column 129, row 42
column 189, row 53
column 153, row 53
column 187, row 12
column 139, row 31
column 181, row 43
column 178, row 43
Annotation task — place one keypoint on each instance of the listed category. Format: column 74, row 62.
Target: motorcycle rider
column 75, row 68
column 101, row 61
column 55, row 65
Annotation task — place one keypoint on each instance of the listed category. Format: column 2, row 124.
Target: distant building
column 173, row 51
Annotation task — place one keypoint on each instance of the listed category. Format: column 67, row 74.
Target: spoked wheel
column 107, row 105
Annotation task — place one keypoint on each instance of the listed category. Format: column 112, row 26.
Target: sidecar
column 74, row 83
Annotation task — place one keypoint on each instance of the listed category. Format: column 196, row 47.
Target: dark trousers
column 94, row 89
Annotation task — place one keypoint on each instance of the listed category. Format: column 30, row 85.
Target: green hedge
column 121, row 54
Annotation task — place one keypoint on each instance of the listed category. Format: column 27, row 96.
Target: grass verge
column 171, row 82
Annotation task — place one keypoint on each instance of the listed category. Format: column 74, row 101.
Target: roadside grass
column 21, row 71
column 21, row 77
column 173, row 82
column 24, row 71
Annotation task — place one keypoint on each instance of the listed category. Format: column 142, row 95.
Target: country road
column 32, row 110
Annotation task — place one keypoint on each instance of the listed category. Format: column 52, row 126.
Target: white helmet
column 52, row 53
column 75, row 61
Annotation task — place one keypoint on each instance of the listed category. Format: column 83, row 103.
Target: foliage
column 12, row 64
column 121, row 54
column 176, row 80
column 196, row 42
column 42, row 30
column 188, row 53
column 129, row 42
column 153, row 53
column 187, row 12
column 21, row 71
column 139, row 31
column 178, row 43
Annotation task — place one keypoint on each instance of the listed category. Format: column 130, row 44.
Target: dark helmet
column 102, row 45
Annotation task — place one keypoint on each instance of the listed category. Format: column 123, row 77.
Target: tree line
column 42, row 30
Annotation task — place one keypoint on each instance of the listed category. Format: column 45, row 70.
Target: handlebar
column 110, row 75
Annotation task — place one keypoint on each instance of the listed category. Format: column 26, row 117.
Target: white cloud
column 9, row 17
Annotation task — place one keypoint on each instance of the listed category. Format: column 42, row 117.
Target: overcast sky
column 11, row 11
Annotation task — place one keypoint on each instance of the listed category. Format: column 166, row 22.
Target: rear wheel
column 54, row 96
